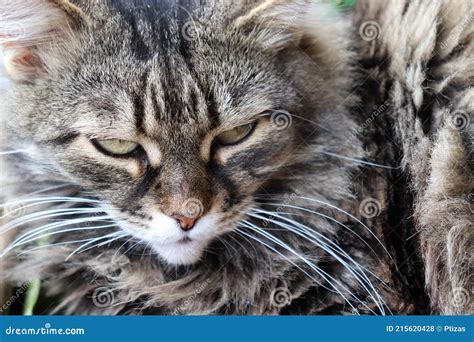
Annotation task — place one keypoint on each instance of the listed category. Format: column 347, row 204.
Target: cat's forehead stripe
column 139, row 103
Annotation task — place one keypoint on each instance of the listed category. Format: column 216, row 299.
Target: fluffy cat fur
column 112, row 66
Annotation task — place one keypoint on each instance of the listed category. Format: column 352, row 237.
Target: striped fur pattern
column 281, row 230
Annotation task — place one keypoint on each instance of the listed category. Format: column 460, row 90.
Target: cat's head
column 175, row 117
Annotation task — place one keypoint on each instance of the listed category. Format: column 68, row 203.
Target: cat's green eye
column 117, row 147
column 235, row 135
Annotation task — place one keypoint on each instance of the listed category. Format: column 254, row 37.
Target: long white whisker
column 54, row 225
column 311, row 237
column 310, row 231
column 358, row 161
column 322, row 273
column 114, row 236
column 48, row 214
column 52, row 199
column 246, row 225
column 123, row 244
column 55, row 187
column 325, row 216
column 351, row 216
column 23, row 242
column 12, row 152
column 333, row 249
column 53, row 245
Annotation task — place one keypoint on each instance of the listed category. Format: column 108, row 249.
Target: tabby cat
column 244, row 157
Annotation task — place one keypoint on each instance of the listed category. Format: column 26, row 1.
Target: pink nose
column 186, row 223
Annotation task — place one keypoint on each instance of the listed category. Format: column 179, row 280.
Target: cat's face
column 176, row 157
column 175, row 142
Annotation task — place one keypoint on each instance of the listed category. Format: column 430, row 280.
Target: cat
column 253, row 157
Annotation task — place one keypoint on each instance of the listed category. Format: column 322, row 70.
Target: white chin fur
column 164, row 233
column 180, row 253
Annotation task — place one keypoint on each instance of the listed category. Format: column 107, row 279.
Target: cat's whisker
column 282, row 244
column 352, row 217
column 346, row 213
column 23, row 242
column 358, row 161
column 52, row 199
column 120, row 247
column 134, row 246
column 322, row 215
column 24, row 203
column 239, row 243
column 54, row 225
column 310, row 231
column 306, row 233
column 227, row 245
column 53, row 245
column 246, row 224
column 331, row 248
column 304, row 228
column 324, row 275
column 56, row 187
column 292, row 115
column 118, row 235
column 47, row 214
column 113, row 236
column 2, row 153
column 44, row 214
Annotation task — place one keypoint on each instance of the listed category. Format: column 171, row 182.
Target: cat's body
column 326, row 95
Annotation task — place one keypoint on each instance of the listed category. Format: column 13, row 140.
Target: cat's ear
column 36, row 35
column 284, row 24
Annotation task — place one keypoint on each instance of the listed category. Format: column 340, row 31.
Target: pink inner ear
column 28, row 60
column 23, row 64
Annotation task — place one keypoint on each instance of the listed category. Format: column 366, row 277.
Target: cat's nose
column 186, row 223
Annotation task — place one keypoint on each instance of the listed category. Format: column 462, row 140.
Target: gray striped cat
column 253, row 157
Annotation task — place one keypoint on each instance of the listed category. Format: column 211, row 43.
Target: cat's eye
column 236, row 135
column 116, row 147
